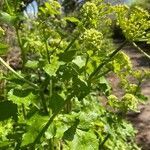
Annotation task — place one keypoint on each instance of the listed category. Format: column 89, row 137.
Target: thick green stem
column 23, row 111
column 46, row 47
column 17, row 74
column 43, row 102
column 106, row 61
column 104, row 141
column 71, row 43
column 104, row 73
column 50, row 121
column 48, row 56
column 50, row 89
column 87, row 59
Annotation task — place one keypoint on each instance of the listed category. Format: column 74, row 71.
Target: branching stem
column 71, row 43
column 104, row 141
column 106, row 61
column 17, row 74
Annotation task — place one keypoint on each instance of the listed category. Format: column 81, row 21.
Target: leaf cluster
column 61, row 98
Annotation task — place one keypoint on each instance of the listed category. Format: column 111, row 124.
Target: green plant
column 54, row 100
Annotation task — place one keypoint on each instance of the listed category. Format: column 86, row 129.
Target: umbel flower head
column 89, row 14
column 92, row 39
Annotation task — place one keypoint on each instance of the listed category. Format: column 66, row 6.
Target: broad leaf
column 20, row 97
column 67, row 56
column 8, row 110
column 79, row 61
column 80, row 88
column 52, row 68
column 4, row 145
column 36, row 123
column 56, row 102
column 84, row 141
column 69, row 134
column 104, row 85
column 32, row 64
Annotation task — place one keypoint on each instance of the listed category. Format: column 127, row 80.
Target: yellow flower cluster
column 90, row 14
column 134, row 22
column 129, row 102
column 122, row 62
column 92, row 39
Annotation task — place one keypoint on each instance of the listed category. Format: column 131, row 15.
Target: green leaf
column 7, row 18
column 67, row 56
column 84, row 141
column 72, row 19
column 52, row 68
column 8, row 110
column 51, row 8
column 87, row 119
column 69, row 134
column 104, row 85
column 56, row 102
column 3, row 48
column 142, row 97
column 4, row 145
column 20, row 97
column 80, row 88
column 79, row 61
column 66, row 72
column 36, row 123
column 61, row 127
column 1, row 32
column 51, row 131
column 32, row 64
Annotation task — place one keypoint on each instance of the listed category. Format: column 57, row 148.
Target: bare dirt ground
column 141, row 120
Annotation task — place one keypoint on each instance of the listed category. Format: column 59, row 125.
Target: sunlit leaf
column 36, row 123
column 3, row 48
column 20, row 97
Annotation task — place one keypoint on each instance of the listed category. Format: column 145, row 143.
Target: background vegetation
column 55, row 94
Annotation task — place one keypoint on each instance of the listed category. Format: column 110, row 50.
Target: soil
column 141, row 120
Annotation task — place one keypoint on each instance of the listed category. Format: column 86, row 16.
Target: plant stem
column 43, row 102
column 69, row 98
column 21, row 47
column 139, row 49
column 17, row 74
column 46, row 47
column 50, row 90
column 105, row 72
column 87, row 59
column 71, row 43
column 23, row 111
column 8, row 7
column 139, row 84
column 106, row 61
column 15, row 5
column 103, row 142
